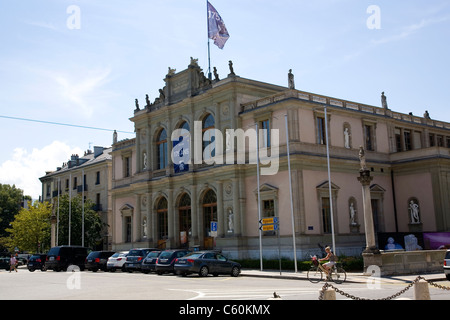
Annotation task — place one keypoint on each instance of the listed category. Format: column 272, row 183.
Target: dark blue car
column 206, row 262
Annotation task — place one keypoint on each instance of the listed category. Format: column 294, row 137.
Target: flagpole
column 209, row 52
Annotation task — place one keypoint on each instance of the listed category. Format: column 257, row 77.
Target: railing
column 341, row 104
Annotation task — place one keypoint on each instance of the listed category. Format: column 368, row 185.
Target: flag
column 216, row 27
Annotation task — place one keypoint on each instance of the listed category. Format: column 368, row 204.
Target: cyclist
column 331, row 257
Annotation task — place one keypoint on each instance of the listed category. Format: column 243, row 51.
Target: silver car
column 117, row 261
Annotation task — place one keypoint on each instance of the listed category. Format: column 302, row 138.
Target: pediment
column 325, row 185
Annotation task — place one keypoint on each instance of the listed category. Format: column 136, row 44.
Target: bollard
column 329, row 294
column 421, row 290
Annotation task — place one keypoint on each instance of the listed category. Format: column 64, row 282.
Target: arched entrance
column 184, row 219
column 209, row 204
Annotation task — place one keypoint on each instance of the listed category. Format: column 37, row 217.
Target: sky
column 83, row 63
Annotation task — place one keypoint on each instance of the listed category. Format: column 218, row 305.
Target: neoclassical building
column 210, row 198
column 88, row 176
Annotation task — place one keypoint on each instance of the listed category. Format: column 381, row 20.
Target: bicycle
column 337, row 274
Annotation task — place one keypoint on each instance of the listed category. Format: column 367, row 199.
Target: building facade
column 89, row 176
column 210, row 198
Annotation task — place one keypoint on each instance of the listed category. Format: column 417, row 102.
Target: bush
column 349, row 263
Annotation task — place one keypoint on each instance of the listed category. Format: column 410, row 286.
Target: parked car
column 61, row 257
column 117, row 261
column 135, row 257
column 4, row 263
column 206, row 262
column 166, row 260
column 37, row 262
column 447, row 265
column 97, row 260
column 149, row 262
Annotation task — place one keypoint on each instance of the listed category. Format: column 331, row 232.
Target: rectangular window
column 265, row 125
column 398, row 140
column 431, row 137
column 97, row 178
column 128, row 229
column 321, row 137
column 368, row 132
column 408, row 143
column 74, row 183
column 326, row 215
column 127, row 166
column 268, row 208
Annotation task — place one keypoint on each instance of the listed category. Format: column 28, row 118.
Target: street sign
column 269, row 227
column 213, row 232
column 269, row 220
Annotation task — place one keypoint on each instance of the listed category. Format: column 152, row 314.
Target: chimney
column 97, row 151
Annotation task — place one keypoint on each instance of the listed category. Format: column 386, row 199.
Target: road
column 86, row 285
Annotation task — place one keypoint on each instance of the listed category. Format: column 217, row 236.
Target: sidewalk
column 352, row 277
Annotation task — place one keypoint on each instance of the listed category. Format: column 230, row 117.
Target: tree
column 10, row 202
column 92, row 222
column 30, row 230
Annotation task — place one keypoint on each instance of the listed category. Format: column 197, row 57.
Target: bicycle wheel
column 338, row 275
column 314, row 274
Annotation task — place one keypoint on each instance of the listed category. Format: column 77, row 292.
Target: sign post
column 271, row 224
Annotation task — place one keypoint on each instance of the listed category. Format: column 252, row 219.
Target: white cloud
column 26, row 167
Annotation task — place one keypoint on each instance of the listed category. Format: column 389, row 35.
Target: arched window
column 209, row 204
column 161, row 144
column 161, row 211
column 208, row 123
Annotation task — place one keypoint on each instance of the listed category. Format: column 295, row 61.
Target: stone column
column 365, row 179
column 221, row 218
column 194, row 217
column 170, row 218
column 137, row 221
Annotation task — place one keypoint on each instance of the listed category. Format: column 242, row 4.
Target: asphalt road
column 86, row 285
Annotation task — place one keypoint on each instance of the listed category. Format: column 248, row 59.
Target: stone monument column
column 371, row 255
column 365, row 179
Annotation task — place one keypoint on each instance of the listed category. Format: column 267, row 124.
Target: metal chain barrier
column 328, row 285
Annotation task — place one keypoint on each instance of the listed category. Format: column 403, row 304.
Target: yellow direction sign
column 269, row 227
column 269, row 220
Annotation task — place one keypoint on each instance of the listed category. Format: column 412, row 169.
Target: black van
column 60, row 258
column 97, row 260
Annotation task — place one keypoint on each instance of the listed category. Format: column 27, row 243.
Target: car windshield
column 193, row 255
column 93, row 254
column 54, row 251
column 166, row 254
column 447, row 255
column 153, row 254
column 135, row 253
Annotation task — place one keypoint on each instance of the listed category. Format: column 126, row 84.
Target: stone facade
column 157, row 204
column 96, row 166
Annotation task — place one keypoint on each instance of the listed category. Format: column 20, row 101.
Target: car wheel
column 31, row 270
column 447, row 276
column 203, row 271
column 235, row 271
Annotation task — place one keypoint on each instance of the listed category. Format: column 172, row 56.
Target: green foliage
column 92, row 222
column 30, row 230
column 10, row 201
column 349, row 264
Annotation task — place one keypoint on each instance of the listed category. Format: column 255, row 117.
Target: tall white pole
column 70, row 202
column 290, row 191
column 82, row 209
column 259, row 197
column 57, row 212
column 329, row 182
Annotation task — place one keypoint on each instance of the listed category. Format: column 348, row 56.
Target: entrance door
column 184, row 214
column 209, row 214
